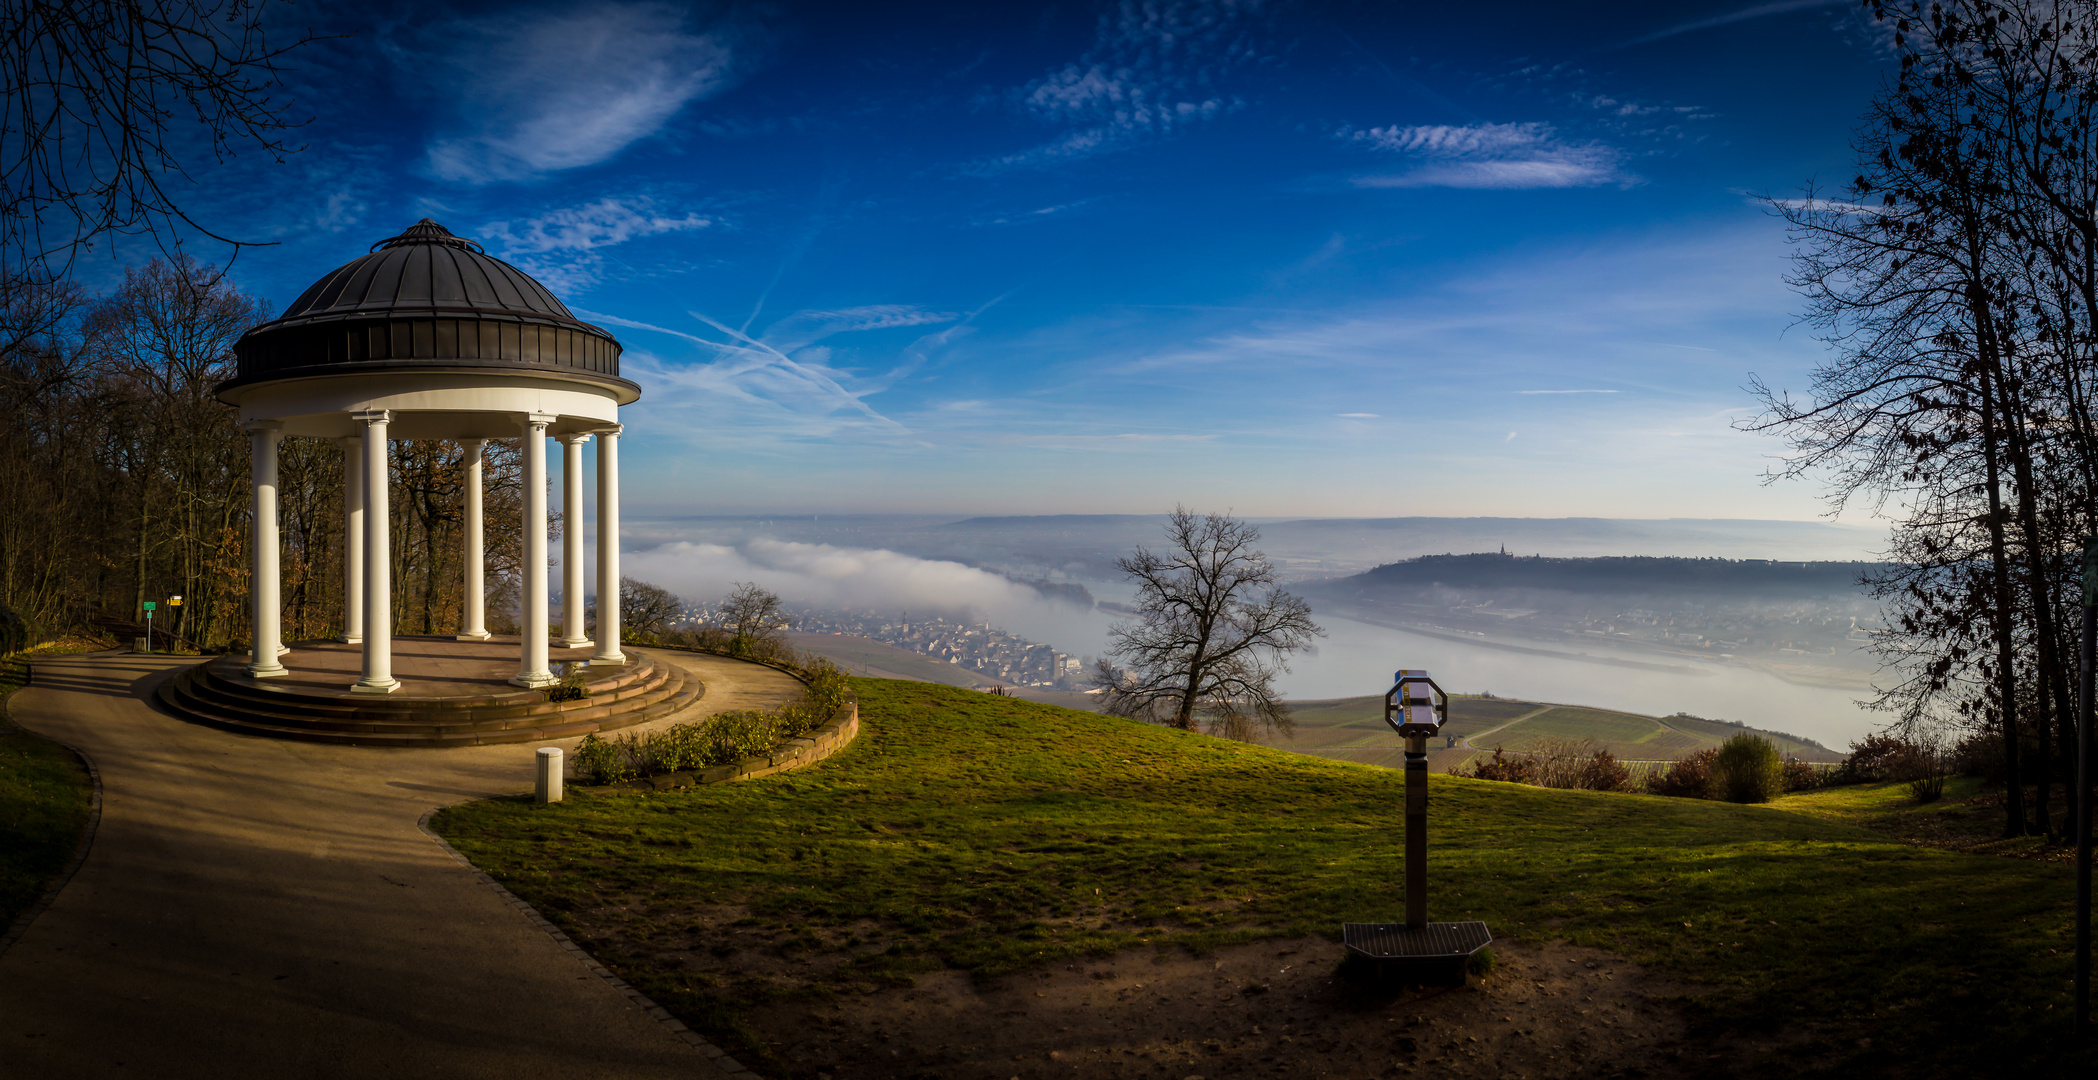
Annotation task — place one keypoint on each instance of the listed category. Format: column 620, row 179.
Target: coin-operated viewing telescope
column 1417, row 950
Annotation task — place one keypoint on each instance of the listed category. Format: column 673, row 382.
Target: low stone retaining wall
column 791, row 754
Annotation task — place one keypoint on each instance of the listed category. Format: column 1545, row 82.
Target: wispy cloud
column 1153, row 69
column 1524, row 315
column 1356, row 415
column 1568, row 391
column 1829, row 206
column 590, row 226
column 780, row 385
column 1527, row 155
column 542, row 93
column 562, row 247
column 1027, row 217
column 1758, row 11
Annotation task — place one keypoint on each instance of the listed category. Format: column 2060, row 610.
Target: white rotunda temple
column 429, row 337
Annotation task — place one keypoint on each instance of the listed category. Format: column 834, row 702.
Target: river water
column 1358, row 658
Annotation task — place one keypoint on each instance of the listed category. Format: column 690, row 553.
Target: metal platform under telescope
column 1395, row 941
column 1438, row 954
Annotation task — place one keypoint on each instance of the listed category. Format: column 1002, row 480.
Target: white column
column 378, row 560
column 352, row 540
column 473, row 602
column 608, row 548
column 573, row 635
column 269, row 605
column 531, row 667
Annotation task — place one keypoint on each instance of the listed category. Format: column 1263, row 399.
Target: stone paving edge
column 58, row 884
column 662, row 1016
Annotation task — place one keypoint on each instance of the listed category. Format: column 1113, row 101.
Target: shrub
column 1604, row 772
column 1688, row 777
column 1803, row 776
column 1747, row 769
column 597, row 759
column 1980, row 755
column 1872, row 758
column 1504, row 768
column 1924, row 766
column 721, row 739
column 1482, row 962
column 571, row 687
column 1922, row 763
column 1561, row 763
column 14, row 633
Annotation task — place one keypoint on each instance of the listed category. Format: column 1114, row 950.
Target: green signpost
column 149, row 625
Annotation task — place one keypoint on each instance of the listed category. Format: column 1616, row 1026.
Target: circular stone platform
column 453, row 693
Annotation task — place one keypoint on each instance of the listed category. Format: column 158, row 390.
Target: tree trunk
column 2006, row 603
column 2049, row 691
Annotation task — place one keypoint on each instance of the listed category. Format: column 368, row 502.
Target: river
column 1358, row 658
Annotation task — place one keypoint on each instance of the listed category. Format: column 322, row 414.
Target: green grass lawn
column 44, row 797
column 993, row 835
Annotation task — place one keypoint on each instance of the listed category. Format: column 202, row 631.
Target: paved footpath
column 255, row 907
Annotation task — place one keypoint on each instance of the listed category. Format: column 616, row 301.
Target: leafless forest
column 1955, row 280
column 124, row 480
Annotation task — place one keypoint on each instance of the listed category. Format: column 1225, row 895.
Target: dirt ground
column 1271, row 1009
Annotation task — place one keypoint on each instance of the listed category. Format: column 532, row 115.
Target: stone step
column 670, row 692
column 229, row 676
column 203, row 691
column 212, row 682
column 193, row 694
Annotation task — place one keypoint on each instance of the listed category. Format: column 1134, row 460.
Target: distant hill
column 1621, row 574
column 1353, row 729
column 1054, row 521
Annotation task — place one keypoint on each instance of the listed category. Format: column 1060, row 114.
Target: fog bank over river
column 968, row 570
column 1357, row 658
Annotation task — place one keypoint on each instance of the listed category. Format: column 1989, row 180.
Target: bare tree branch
column 1211, row 635
column 102, row 98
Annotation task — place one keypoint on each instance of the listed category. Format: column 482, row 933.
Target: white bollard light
column 549, row 774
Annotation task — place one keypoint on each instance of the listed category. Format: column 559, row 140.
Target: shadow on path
column 268, row 908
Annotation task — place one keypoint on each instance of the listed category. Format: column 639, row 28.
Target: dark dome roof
column 421, row 299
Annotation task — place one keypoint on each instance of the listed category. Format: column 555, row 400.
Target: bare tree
column 754, row 615
column 1212, row 632
column 646, row 610
column 1956, row 285
column 167, row 334
column 101, row 97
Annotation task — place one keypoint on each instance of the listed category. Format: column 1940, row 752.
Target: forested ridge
column 1630, row 574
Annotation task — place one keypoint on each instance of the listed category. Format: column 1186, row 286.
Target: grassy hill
column 1353, row 729
column 963, row 832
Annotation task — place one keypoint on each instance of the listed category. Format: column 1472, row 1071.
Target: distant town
column 975, row 646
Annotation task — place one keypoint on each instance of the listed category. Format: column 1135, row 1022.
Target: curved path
column 255, row 907
column 1465, row 741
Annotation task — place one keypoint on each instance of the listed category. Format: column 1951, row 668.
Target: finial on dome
column 427, row 231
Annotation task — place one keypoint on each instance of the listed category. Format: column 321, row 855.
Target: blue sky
column 1285, row 258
